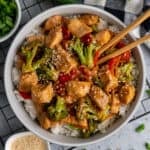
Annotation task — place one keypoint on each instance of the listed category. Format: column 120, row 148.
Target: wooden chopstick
column 125, row 31
column 124, row 49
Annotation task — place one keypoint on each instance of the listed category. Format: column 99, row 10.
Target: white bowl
column 14, row 137
column 20, row 111
column 17, row 22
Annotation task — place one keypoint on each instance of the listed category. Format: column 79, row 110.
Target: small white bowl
column 18, row 19
column 19, row 135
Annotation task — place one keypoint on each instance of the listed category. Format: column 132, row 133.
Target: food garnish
column 140, row 128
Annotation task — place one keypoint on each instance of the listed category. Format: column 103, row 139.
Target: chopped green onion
column 147, row 146
column 94, row 28
column 140, row 128
column 2, row 25
column 8, row 13
column 148, row 92
column 9, row 21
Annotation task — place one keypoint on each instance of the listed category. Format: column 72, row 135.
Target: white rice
column 15, row 76
column 113, row 28
column 102, row 24
column 123, row 110
column 28, row 105
column 64, row 129
column 102, row 127
column 35, row 31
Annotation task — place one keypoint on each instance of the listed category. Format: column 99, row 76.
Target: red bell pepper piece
column 66, row 33
column 113, row 63
column 125, row 57
column 25, row 95
column 86, row 39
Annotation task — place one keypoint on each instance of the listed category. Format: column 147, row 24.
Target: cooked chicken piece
column 115, row 104
column 44, row 121
column 42, row 93
column 99, row 97
column 89, row 19
column 109, row 81
column 127, row 93
column 78, row 89
column 54, row 37
column 62, row 60
column 78, row 123
column 69, row 99
column 27, row 80
column 52, row 22
column 32, row 38
column 103, row 37
column 78, row 28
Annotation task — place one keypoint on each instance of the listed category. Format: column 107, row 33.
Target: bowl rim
column 7, row 88
column 21, row 134
column 17, row 22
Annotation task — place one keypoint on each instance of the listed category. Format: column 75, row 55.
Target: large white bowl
column 18, row 108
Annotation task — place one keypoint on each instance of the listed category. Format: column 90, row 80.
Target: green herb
column 140, row 128
column 98, row 82
column 95, row 28
column 148, row 92
column 147, row 146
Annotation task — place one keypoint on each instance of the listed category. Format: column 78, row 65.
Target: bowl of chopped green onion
column 10, row 16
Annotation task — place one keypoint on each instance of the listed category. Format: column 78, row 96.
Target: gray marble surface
column 9, row 124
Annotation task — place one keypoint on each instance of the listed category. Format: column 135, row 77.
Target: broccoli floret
column 85, row 53
column 89, row 54
column 86, row 110
column 51, row 73
column 47, row 74
column 29, row 52
column 78, row 47
column 45, row 59
column 58, row 111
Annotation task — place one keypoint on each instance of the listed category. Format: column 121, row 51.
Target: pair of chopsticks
column 119, row 36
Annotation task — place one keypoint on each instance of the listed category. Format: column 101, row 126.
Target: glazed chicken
column 27, row 80
column 62, row 60
column 99, row 97
column 78, row 28
column 42, row 93
column 78, row 89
